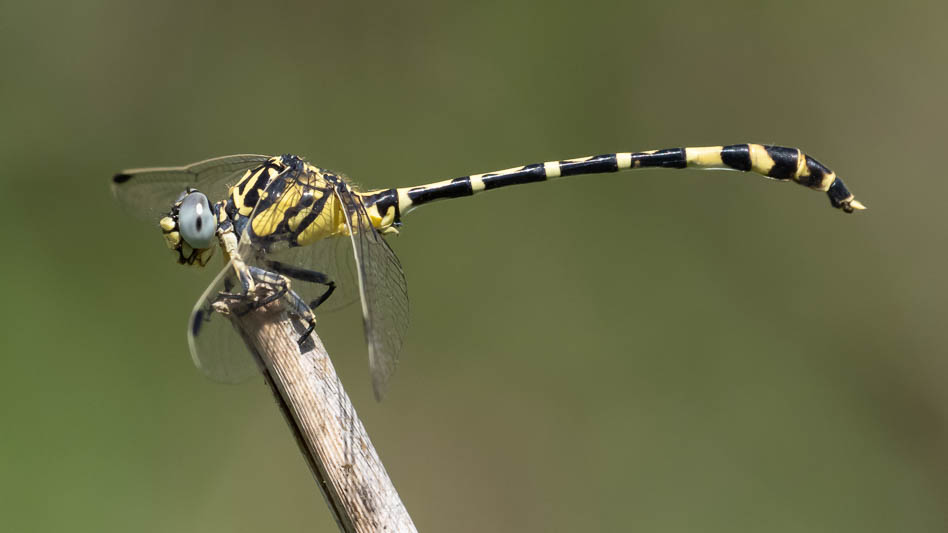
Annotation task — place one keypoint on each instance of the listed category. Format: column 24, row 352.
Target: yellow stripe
column 705, row 157
column 761, row 162
column 803, row 172
column 624, row 160
column 551, row 169
column 404, row 202
column 828, row 180
column 477, row 184
column 497, row 173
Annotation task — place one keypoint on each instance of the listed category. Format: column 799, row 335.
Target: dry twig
column 340, row 455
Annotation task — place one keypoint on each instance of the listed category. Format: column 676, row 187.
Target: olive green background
column 655, row 351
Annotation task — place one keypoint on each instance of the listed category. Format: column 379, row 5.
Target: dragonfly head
column 189, row 228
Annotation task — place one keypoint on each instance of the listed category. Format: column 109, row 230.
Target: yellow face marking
column 167, row 224
column 551, row 169
column 624, row 160
column 173, row 239
column 761, row 162
column 705, row 157
column 203, row 256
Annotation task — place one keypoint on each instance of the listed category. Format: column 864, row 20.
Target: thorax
column 285, row 201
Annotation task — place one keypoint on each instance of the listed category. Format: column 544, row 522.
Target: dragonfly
column 283, row 222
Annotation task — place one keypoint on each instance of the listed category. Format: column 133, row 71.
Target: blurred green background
column 654, row 351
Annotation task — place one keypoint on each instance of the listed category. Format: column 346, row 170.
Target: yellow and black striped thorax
column 286, row 200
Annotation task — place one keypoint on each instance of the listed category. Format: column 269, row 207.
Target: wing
column 383, row 291
column 332, row 257
column 216, row 347
column 149, row 192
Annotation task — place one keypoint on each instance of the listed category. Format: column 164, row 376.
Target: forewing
column 216, row 347
column 383, row 290
column 149, row 192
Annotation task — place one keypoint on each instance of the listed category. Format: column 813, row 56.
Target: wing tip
column 120, row 178
column 379, row 386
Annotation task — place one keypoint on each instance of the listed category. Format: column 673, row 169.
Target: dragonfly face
column 189, row 228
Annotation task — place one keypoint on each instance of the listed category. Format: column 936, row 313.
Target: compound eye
column 196, row 221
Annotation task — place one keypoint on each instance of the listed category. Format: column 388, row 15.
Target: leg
column 296, row 304
column 309, row 276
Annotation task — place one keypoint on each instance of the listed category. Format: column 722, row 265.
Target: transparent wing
column 149, row 192
column 216, row 347
column 383, row 290
column 331, row 256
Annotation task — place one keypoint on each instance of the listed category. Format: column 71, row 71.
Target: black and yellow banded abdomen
column 776, row 162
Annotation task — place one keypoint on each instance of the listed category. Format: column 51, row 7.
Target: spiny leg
column 247, row 300
column 296, row 304
column 309, row 276
column 274, row 280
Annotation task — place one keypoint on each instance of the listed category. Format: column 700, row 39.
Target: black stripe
column 785, row 162
column 384, row 200
column 251, row 197
column 456, row 188
column 528, row 174
column 667, row 158
column 737, row 156
column 241, row 185
column 595, row 165
column 817, row 173
column 838, row 193
column 308, row 200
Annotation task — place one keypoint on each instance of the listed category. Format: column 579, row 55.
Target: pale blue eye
column 196, row 221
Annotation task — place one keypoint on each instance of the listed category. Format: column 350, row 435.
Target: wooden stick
column 340, row 455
